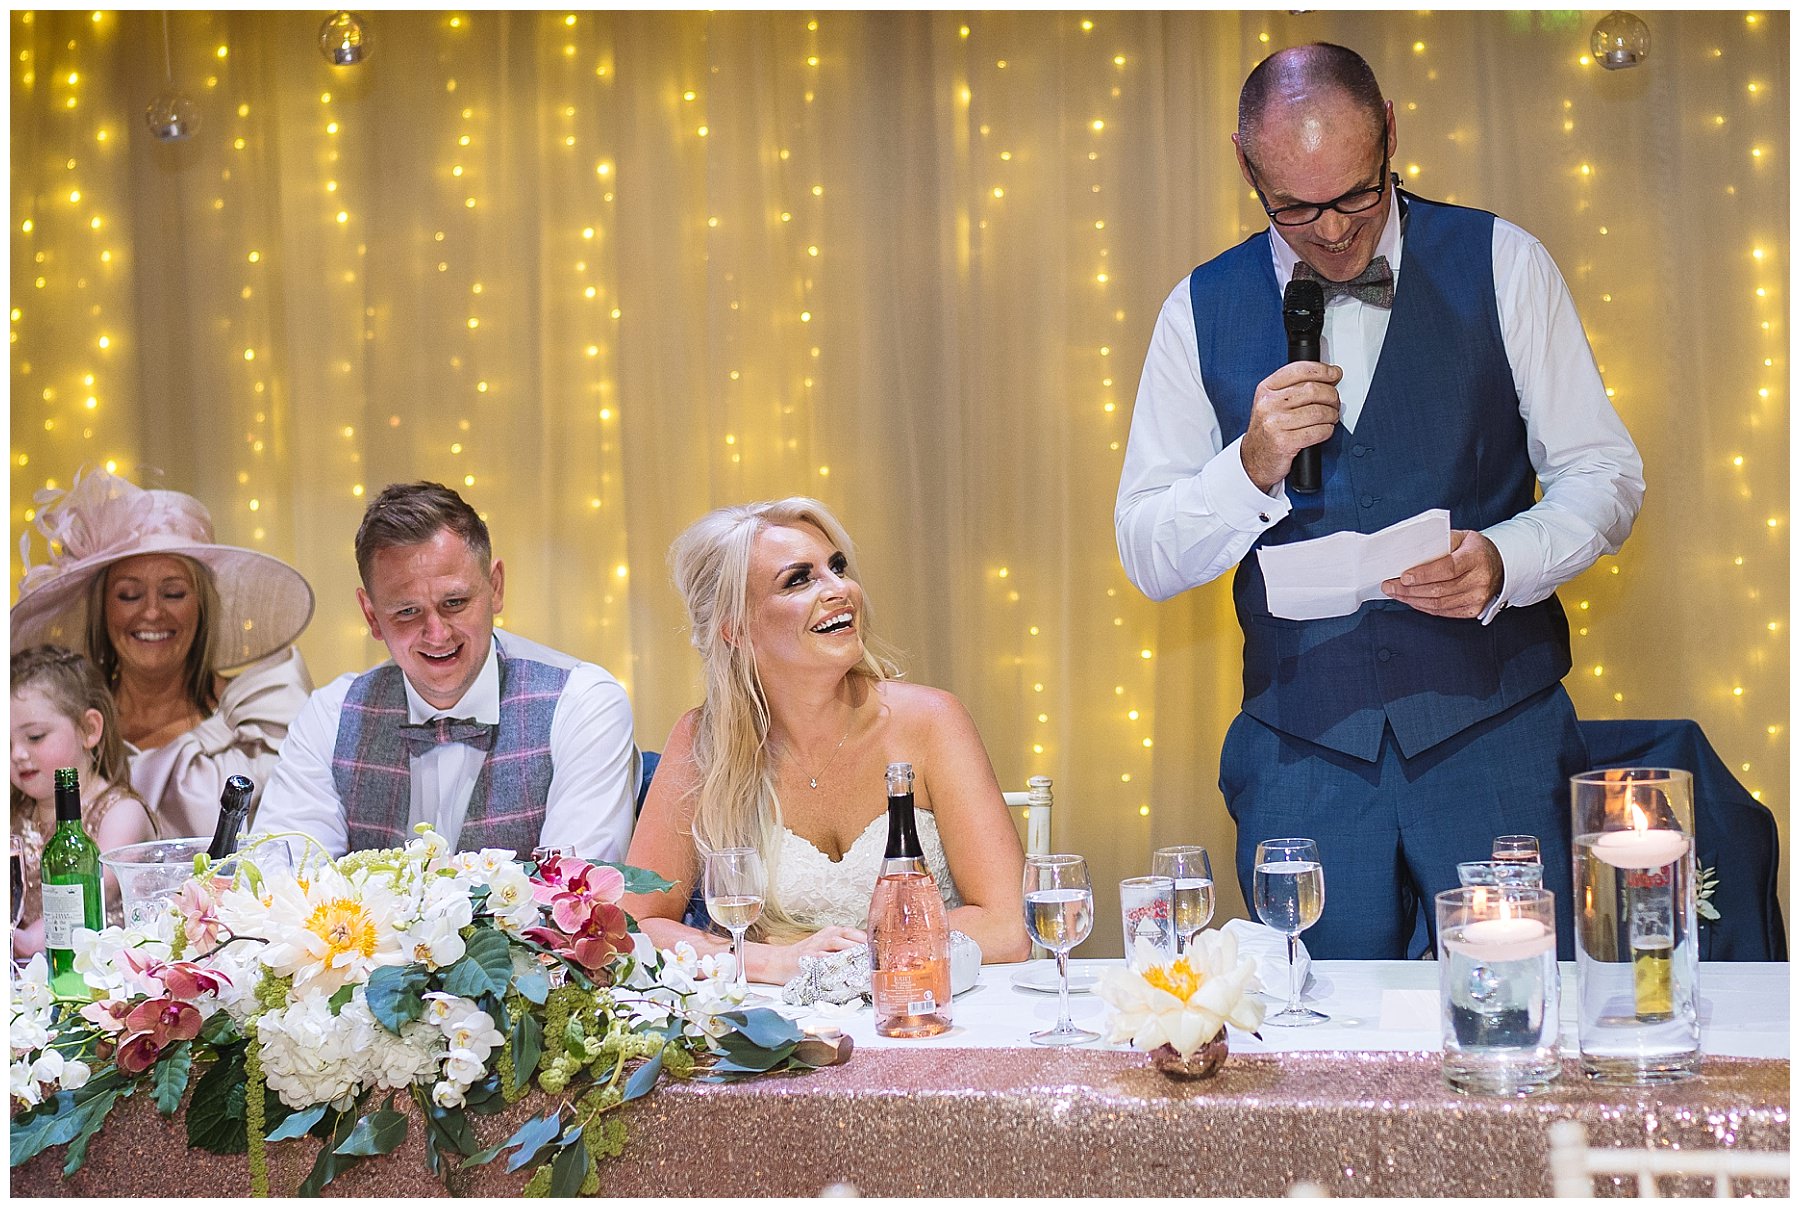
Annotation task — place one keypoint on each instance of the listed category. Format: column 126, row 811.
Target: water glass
column 1147, row 905
column 1498, row 986
column 733, row 885
column 1192, row 872
column 1637, row 952
column 1059, row 913
column 1289, row 888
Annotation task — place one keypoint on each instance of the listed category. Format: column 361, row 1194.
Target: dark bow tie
column 1374, row 285
column 423, row 736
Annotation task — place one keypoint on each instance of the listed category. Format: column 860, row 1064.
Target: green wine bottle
column 71, row 876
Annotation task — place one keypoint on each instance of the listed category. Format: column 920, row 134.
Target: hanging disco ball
column 1620, row 40
column 344, row 38
column 172, row 116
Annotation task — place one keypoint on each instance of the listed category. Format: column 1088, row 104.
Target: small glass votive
column 1498, row 985
column 1637, row 952
column 1147, row 906
column 1500, row 872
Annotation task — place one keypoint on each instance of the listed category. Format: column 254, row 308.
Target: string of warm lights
column 603, row 270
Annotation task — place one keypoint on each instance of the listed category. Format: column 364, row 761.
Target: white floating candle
column 1495, row 940
column 1640, row 848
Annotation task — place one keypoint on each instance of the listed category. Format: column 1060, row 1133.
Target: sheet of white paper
column 1330, row 576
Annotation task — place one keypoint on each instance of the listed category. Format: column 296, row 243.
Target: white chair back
column 1035, row 804
column 1573, row 1165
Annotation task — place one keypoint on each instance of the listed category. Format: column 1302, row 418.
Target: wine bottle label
column 65, row 909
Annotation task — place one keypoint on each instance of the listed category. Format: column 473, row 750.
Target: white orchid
column 435, row 940
column 25, row 1088
column 510, row 899
column 474, row 1033
column 1186, row 1002
column 447, row 1095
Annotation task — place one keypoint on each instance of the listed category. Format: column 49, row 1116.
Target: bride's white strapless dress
column 818, row 891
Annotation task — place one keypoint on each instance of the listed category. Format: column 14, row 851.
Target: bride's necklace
column 812, row 779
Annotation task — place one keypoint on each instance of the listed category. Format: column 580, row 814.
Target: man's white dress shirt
column 593, row 793
column 1187, row 511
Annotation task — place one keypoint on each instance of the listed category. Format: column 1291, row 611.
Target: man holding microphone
column 1453, row 374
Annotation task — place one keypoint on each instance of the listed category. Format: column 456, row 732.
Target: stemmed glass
column 732, row 883
column 1290, row 895
column 1059, row 913
column 1191, row 870
column 1517, row 849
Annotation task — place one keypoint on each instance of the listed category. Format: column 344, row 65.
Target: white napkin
column 1268, row 948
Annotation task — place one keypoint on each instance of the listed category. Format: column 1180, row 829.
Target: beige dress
column 184, row 778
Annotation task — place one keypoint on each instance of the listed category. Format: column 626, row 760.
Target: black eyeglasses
column 1356, row 201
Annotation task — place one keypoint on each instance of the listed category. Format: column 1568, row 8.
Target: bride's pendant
column 813, row 783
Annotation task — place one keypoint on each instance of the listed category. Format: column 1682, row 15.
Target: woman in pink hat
column 194, row 638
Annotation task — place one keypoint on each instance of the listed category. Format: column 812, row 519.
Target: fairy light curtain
column 603, row 271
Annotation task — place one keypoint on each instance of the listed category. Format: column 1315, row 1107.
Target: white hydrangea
column 309, row 1057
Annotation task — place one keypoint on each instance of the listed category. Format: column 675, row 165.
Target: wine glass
column 1059, row 913
column 1191, row 870
column 1290, row 895
column 732, row 883
column 1517, row 849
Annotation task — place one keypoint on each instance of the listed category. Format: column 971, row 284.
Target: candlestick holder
column 1498, row 984
column 1636, row 947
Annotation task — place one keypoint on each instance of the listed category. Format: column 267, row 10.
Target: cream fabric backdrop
column 610, row 270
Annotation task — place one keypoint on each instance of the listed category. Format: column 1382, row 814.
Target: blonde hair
column 72, row 685
column 736, row 804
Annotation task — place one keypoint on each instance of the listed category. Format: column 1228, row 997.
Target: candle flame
column 1640, row 821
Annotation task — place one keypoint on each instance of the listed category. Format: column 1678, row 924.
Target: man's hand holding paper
column 1421, row 562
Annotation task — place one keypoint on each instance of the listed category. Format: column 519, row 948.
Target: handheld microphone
column 1303, row 313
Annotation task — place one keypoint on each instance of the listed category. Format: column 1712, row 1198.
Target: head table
column 1356, row 1105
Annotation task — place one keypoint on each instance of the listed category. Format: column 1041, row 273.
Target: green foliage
column 215, row 1117
column 396, row 994
column 169, row 1077
column 378, row 1132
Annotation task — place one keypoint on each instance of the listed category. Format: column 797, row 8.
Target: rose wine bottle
column 909, row 937
column 71, row 885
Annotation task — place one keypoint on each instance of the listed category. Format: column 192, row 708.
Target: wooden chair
column 1034, row 806
column 1573, row 1165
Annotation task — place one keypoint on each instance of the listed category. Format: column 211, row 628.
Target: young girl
column 62, row 717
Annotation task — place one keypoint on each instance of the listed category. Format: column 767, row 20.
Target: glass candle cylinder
column 1498, row 986
column 1636, row 946
column 1147, row 906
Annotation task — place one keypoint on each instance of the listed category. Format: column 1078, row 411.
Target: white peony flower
column 329, row 932
column 1186, row 1002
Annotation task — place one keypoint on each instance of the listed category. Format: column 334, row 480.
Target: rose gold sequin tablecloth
column 1014, row 1122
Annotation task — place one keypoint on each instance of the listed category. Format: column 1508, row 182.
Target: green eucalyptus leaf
column 570, row 1168
column 527, row 1047
column 215, row 1115
column 377, row 1133
column 396, row 995
column 763, row 1027
column 330, row 1164
column 299, row 1124
column 643, row 1079
column 533, row 984
column 531, row 1137
column 169, row 1077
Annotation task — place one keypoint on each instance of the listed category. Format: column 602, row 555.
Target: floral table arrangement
column 1177, row 1010
column 293, row 1002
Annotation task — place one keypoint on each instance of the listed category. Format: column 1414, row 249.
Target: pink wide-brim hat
column 264, row 603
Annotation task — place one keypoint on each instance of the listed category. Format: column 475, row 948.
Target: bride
column 788, row 753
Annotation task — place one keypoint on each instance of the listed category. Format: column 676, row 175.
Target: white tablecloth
column 1374, row 1006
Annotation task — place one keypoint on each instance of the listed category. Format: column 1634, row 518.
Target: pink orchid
column 154, row 1025
column 107, row 1016
column 184, row 979
column 565, row 874
column 199, row 915
column 591, row 935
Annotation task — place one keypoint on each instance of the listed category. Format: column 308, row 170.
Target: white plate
column 1041, row 977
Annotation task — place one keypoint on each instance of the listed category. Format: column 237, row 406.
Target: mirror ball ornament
column 344, row 38
column 1620, row 40
column 172, row 116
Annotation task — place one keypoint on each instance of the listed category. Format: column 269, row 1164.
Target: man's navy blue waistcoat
column 1440, row 428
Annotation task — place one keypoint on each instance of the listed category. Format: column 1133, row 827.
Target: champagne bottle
column 234, row 808
column 909, row 937
column 71, row 885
